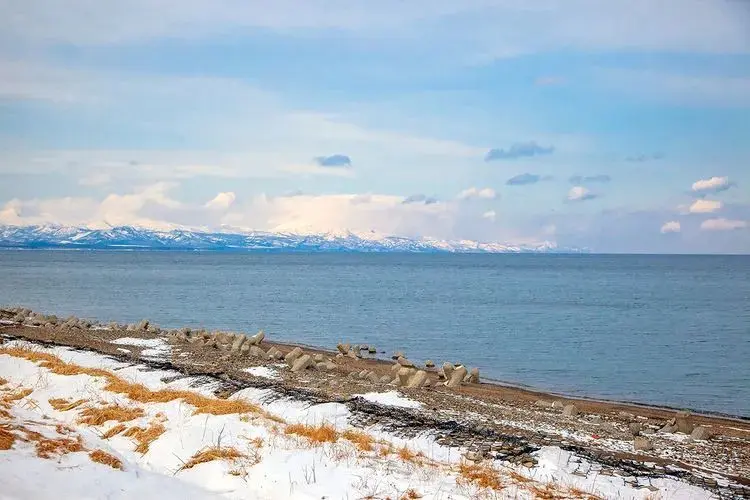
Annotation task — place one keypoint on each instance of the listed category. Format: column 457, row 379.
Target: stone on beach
column 701, row 433
column 684, row 422
column 457, row 377
column 558, row 405
column 473, row 377
column 239, row 339
column 301, row 363
column 385, row 379
column 257, row 338
column 344, row 348
column 405, row 362
column 417, row 380
column 570, row 411
column 403, row 376
column 429, row 364
column 292, row 356
column 541, row 403
column 143, row 325
column 641, row 443
column 372, row 350
column 257, row 352
column 447, row 371
column 397, row 354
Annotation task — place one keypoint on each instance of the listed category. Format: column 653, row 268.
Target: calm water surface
column 672, row 330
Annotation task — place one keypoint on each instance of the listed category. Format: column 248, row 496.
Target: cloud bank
column 518, row 150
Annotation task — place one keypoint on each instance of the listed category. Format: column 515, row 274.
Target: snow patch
column 263, row 371
column 390, row 398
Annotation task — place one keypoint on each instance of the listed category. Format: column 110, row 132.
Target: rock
column 397, row 354
column 245, row 349
column 352, row 354
column 684, row 422
column 257, row 352
column 152, row 328
column 257, row 338
column 640, row 443
column 403, row 375
column 143, row 325
column 385, row 379
column 635, row 428
column 626, row 415
column 373, row 377
column 396, row 367
column 447, row 370
column 541, row 403
column 318, row 358
column 301, row 363
column 668, row 429
column 701, row 433
column 343, row 348
column 473, row 376
column 429, row 364
column 405, row 362
column 427, row 383
column 372, row 350
column 457, row 377
column 396, row 382
column 558, row 405
column 595, row 419
column 570, row 411
column 237, row 343
column 472, row 456
column 292, row 356
column 417, row 380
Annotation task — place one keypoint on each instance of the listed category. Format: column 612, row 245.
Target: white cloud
column 477, row 193
column 721, row 224
column 712, row 185
column 311, row 169
column 222, row 201
column 580, row 193
column 705, row 206
column 490, row 215
column 671, row 227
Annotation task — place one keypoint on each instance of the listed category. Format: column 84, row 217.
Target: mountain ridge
column 137, row 238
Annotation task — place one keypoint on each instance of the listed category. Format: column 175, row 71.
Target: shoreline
column 470, row 416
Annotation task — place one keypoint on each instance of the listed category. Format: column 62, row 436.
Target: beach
column 617, row 448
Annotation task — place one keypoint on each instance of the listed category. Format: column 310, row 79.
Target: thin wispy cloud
column 671, row 227
column 643, row 158
column 523, row 180
column 721, row 224
column 589, row 179
column 474, row 193
column 518, row 150
column 419, row 198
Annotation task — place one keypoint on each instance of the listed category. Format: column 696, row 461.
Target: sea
column 666, row 330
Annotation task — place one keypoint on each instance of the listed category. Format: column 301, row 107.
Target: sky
column 617, row 126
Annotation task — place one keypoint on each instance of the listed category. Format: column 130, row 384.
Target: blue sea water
column 667, row 330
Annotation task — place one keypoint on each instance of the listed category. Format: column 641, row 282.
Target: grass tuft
column 362, row 440
column 323, row 433
column 102, row 457
column 102, row 414
column 411, row 494
column 3, row 381
column 144, row 437
column 481, row 475
column 7, row 438
column 15, row 396
column 211, row 454
column 114, row 431
column 65, row 404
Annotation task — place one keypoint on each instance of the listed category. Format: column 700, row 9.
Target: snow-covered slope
column 54, row 236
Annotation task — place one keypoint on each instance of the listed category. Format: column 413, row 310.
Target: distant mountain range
column 134, row 238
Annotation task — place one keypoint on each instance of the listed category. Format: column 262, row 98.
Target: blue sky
column 620, row 126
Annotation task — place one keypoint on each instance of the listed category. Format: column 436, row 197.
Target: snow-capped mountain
column 129, row 237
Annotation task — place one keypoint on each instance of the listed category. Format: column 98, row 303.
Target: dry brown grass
column 114, row 431
column 323, row 433
column 139, row 392
column 411, row 494
column 15, row 396
column 363, row 441
column 65, row 404
column 50, row 448
column 481, row 475
column 102, row 457
column 406, row 454
column 102, row 414
column 7, row 438
column 211, row 454
column 144, row 437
